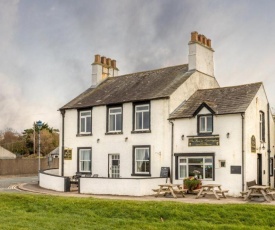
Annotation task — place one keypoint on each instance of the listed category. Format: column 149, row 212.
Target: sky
column 47, row 47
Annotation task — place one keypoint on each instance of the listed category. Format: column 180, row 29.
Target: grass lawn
column 24, row 211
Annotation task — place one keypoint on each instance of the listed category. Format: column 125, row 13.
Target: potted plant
column 191, row 183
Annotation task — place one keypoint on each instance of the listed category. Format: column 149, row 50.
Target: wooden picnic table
column 170, row 189
column 259, row 190
column 211, row 189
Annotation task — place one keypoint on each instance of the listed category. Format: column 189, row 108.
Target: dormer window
column 205, row 124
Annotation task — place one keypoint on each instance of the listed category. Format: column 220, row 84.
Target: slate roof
column 148, row 85
column 225, row 100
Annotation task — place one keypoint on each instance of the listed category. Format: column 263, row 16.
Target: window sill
column 84, row 135
column 140, row 174
column 113, row 133
column 144, row 131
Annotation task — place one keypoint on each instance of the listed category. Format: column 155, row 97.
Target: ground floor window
column 141, row 160
column 85, row 160
column 190, row 164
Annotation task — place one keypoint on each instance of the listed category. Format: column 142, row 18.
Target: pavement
column 189, row 198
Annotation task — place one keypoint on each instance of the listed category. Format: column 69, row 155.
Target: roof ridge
column 234, row 86
column 152, row 70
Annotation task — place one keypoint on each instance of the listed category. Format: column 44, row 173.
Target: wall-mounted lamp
column 263, row 148
column 228, row 135
column 126, row 139
column 98, row 140
column 182, row 137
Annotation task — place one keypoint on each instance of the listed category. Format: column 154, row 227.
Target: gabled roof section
column 226, row 100
column 148, row 85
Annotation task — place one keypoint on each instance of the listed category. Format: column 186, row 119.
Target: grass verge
column 24, row 211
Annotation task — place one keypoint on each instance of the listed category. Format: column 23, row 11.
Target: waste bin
column 67, row 184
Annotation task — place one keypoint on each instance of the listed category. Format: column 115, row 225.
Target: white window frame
column 115, row 115
column 204, row 164
column 142, row 112
column 84, row 118
column 203, row 118
column 81, row 160
column 144, row 160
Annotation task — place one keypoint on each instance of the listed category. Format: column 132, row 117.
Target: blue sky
column 47, row 47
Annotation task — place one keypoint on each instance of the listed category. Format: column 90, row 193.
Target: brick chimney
column 201, row 54
column 103, row 68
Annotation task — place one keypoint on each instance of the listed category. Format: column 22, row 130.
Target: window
column 85, row 122
column 142, row 117
column 115, row 119
column 141, row 158
column 205, row 124
column 203, row 164
column 262, row 126
column 85, row 160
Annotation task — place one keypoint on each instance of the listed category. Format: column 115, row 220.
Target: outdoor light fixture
column 182, row 137
column 98, row 140
column 126, row 139
column 263, row 148
column 228, row 135
column 39, row 126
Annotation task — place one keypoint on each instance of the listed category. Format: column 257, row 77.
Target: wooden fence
column 25, row 165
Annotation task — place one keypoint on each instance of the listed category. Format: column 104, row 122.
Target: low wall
column 20, row 166
column 120, row 186
column 49, row 179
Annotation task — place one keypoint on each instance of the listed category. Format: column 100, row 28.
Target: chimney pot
column 209, row 43
column 97, row 58
column 103, row 60
column 108, row 60
column 194, row 36
column 200, row 38
column 113, row 64
column 203, row 40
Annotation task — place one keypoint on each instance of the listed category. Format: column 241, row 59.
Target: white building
column 125, row 128
column 227, row 134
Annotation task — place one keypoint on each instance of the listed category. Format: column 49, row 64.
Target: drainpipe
column 268, row 142
column 243, row 115
column 62, row 142
column 172, row 151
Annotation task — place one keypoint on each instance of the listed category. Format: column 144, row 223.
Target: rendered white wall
column 158, row 139
column 228, row 150
column 191, row 85
column 53, row 182
column 125, row 187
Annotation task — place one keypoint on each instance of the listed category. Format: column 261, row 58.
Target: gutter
column 62, row 141
column 243, row 116
column 172, row 151
column 268, row 142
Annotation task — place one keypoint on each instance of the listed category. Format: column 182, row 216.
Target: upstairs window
column 85, row 122
column 205, row 124
column 262, row 126
column 142, row 117
column 115, row 119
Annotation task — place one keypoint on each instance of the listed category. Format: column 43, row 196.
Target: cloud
column 47, row 47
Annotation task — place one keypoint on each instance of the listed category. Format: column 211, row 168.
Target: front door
column 259, row 169
column 114, row 166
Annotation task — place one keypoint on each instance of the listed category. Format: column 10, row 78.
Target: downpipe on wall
column 172, row 151
column 243, row 116
column 62, row 144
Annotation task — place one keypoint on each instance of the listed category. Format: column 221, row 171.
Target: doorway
column 259, row 169
column 114, row 166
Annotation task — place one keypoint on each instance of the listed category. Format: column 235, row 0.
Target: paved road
column 10, row 183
